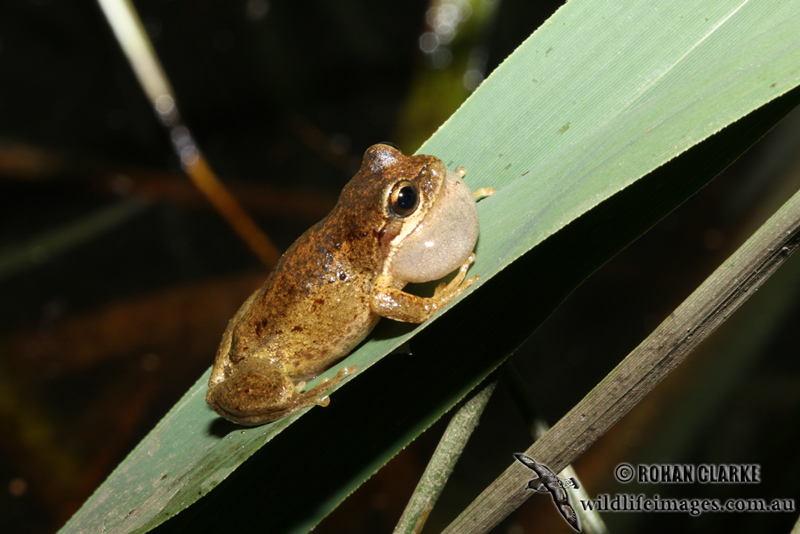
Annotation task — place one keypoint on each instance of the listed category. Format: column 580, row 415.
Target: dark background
column 117, row 278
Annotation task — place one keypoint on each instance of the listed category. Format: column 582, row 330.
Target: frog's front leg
column 258, row 392
column 388, row 301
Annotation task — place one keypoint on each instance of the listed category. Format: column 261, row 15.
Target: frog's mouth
column 444, row 237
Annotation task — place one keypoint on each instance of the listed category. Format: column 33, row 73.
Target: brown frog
column 400, row 219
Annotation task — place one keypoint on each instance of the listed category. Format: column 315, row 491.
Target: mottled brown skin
column 325, row 295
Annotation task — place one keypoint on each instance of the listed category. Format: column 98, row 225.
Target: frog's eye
column 404, row 198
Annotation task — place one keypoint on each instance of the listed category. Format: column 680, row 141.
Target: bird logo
column 548, row 482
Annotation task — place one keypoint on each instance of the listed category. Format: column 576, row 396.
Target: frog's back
column 314, row 307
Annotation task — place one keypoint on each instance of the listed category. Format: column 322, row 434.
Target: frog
column 399, row 220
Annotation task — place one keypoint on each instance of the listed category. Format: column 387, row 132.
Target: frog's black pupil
column 406, row 198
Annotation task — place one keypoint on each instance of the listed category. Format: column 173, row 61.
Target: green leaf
column 602, row 95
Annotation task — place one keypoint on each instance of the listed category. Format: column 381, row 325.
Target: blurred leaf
column 600, row 96
column 51, row 243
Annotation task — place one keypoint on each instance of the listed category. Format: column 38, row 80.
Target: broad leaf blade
column 604, row 93
column 600, row 96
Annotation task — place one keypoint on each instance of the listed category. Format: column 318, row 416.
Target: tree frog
column 400, row 219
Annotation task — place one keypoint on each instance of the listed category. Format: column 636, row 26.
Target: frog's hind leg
column 259, row 392
column 318, row 392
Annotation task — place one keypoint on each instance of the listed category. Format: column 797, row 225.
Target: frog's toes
column 317, row 395
column 345, row 371
column 483, row 192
